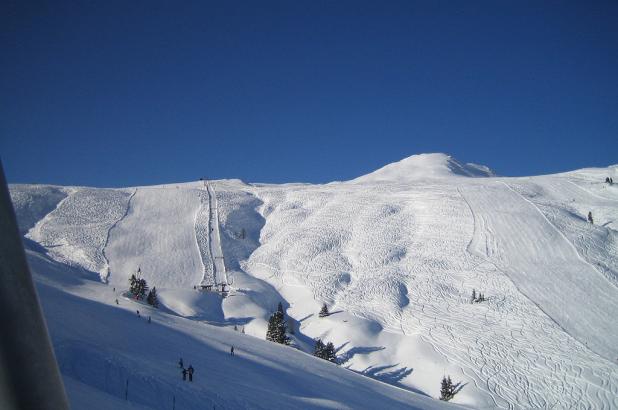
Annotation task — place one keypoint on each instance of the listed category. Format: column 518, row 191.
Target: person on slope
column 184, row 375
column 232, row 350
column 190, row 370
column 180, row 364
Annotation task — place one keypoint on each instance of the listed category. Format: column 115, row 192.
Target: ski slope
column 395, row 254
column 515, row 236
column 106, row 353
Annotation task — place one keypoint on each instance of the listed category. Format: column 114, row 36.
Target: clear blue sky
column 118, row 93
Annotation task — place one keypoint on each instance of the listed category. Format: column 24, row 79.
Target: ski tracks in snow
column 569, row 376
column 105, row 278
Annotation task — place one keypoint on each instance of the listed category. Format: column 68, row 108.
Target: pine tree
column 277, row 328
column 133, row 285
column 318, row 350
column 446, row 390
column 272, row 328
column 329, row 352
column 141, row 288
column 152, row 297
column 324, row 311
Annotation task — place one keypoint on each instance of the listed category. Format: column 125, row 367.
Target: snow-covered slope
column 395, row 255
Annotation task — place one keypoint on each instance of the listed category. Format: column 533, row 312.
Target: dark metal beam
column 29, row 375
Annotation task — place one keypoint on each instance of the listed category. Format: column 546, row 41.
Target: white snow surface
column 394, row 254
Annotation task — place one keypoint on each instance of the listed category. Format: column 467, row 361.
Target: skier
column 114, row 289
column 180, row 364
column 232, row 351
column 116, row 301
column 590, row 217
column 184, row 374
column 149, row 320
column 190, row 370
column 138, row 314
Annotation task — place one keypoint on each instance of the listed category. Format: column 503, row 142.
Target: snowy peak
column 425, row 166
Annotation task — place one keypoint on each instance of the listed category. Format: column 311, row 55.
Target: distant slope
column 425, row 166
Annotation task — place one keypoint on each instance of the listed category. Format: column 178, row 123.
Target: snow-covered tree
column 324, row 311
column 152, row 297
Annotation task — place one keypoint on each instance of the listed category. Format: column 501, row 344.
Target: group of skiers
column 188, row 371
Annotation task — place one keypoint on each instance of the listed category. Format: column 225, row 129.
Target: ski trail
column 544, row 265
column 559, row 232
column 591, row 193
column 105, row 279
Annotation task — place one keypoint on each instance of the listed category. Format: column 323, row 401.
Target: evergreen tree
column 152, row 297
column 277, row 328
column 141, row 288
column 446, row 390
column 133, row 285
column 272, row 328
column 318, row 350
column 329, row 352
column 324, row 311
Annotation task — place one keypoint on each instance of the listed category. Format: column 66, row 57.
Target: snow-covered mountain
column 395, row 254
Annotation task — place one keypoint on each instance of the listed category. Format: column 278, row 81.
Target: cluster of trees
column 277, row 327
column 138, row 288
column 325, row 351
column 448, row 390
column 477, row 298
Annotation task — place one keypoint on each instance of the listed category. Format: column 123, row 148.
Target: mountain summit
column 425, row 166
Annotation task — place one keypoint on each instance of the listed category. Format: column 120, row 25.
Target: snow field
column 395, row 254
column 100, row 346
column 76, row 231
column 157, row 235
